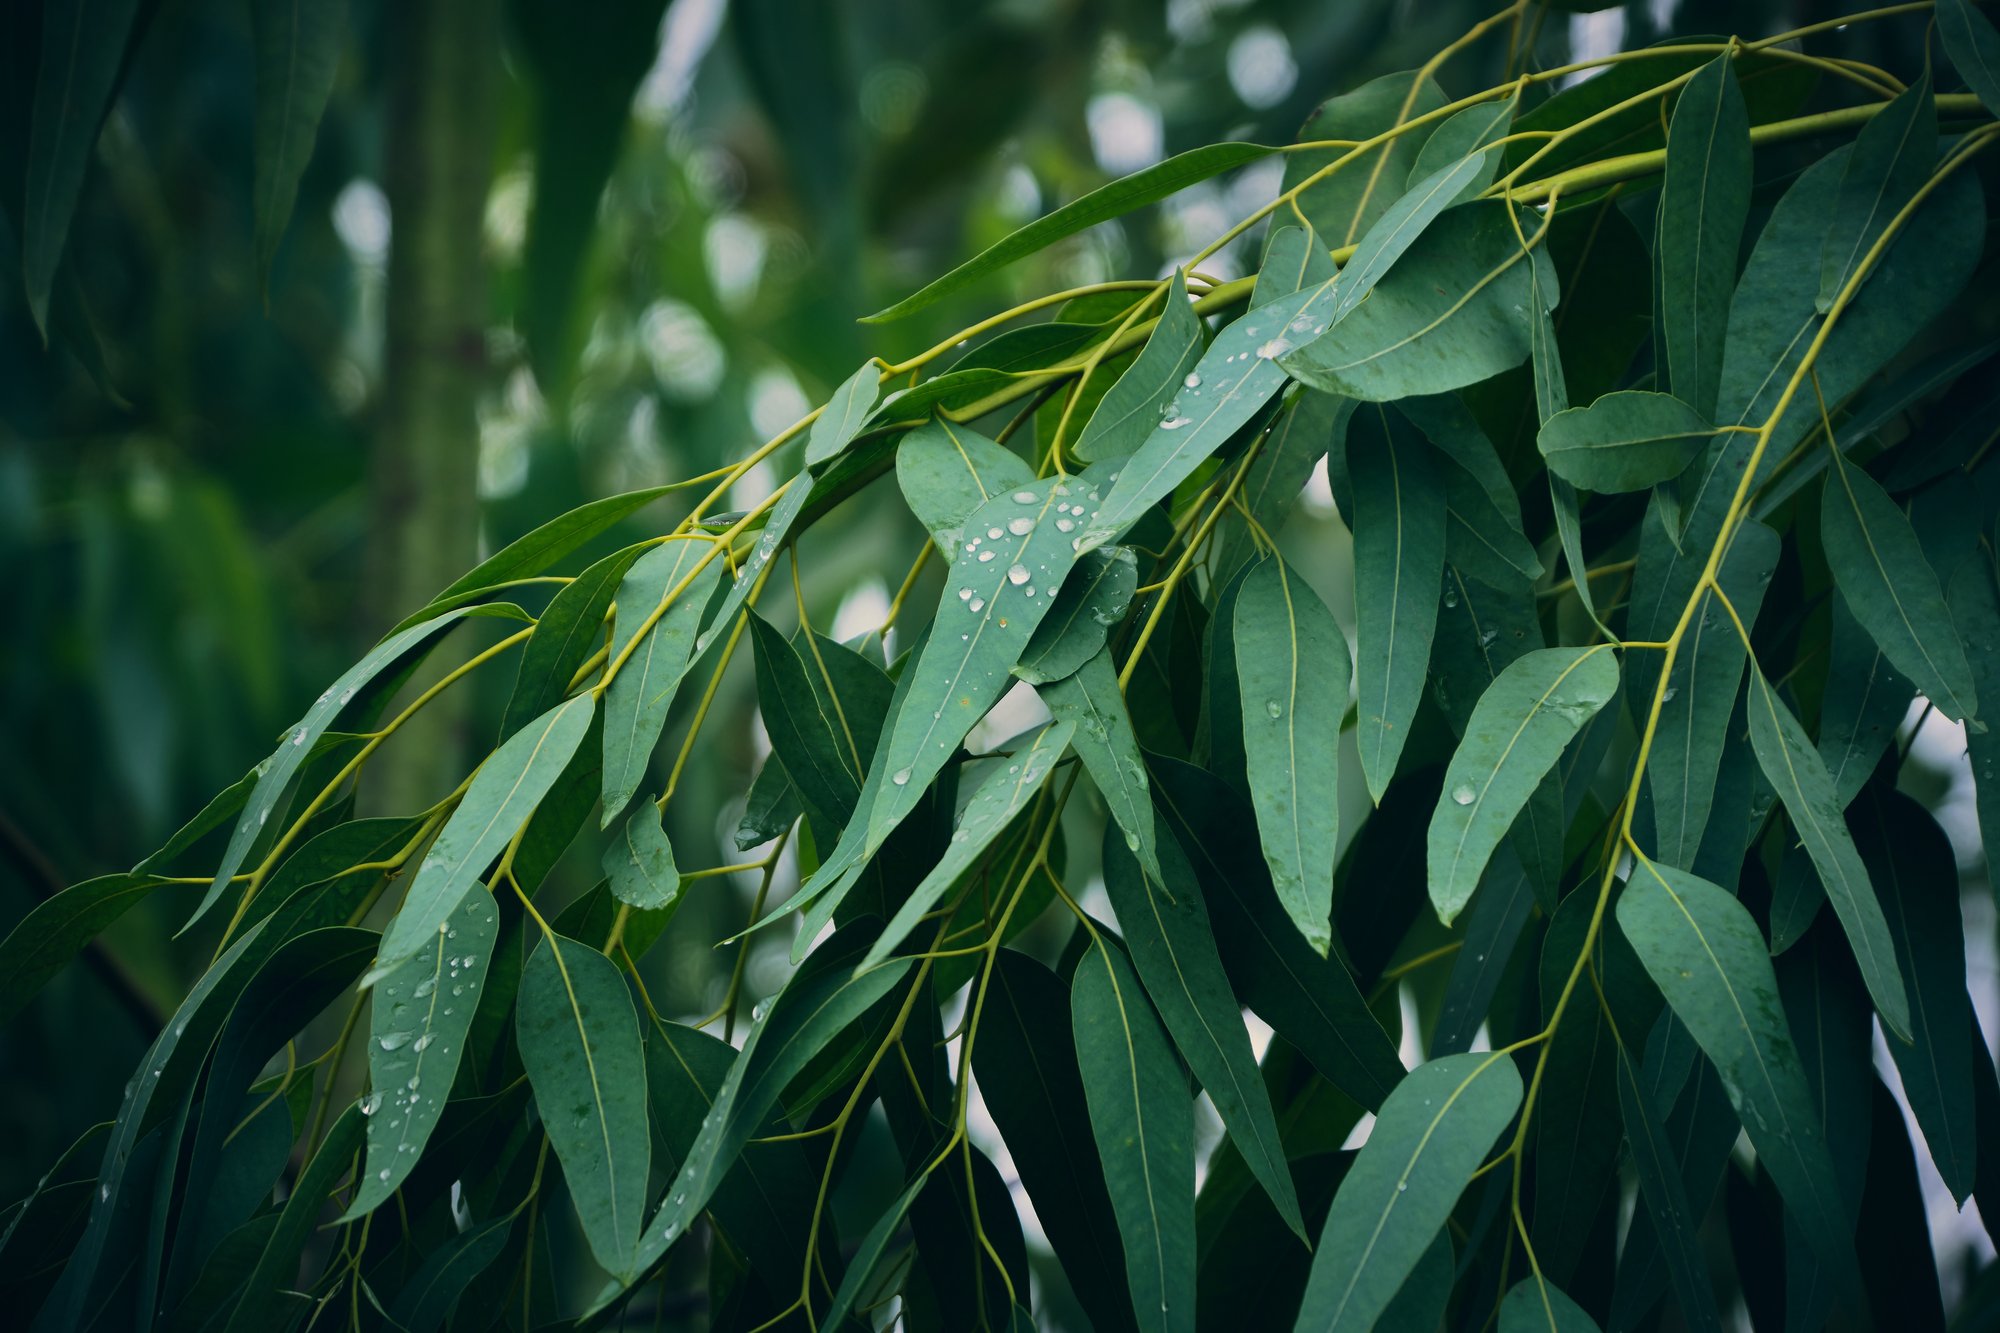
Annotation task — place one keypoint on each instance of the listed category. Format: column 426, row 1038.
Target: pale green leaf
column 1121, row 196
column 1399, row 533
column 1430, row 1136
column 1104, row 740
column 1092, row 600
column 1010, row 785
column 1625, row 441
column 1516, row 733
column 579, row 1040
column 1142, row 1117
column 1139, row 400
column 1796, row 771
column 843, row 416
column 639, row 864
column 1880, row 569
column 1704, row 201
column 418, row 1023
column 1476, row 130
column 640, row 695
column 1704, row 952
column 1292, row 675
column 1341, row 206
column 505, row 791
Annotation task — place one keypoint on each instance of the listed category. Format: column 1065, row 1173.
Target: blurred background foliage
column 542, row 252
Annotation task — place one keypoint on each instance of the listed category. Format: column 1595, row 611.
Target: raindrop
column 1488, row 637
column 396, row 1041
column 1193, row 381
column 1274, row 349
column 1451, row 597
column 423, row 1043
column 371, row 1103
column 984, row 556
column 1064, row 525
column 1273, row 708
column 977, row 604
column 1667, row 696
column 383, row 1174
column 1020, row 527
column 1173, row 423
column 995, row 533
column 1131, row 841
column 965, row 594
column 1462, row 794
column 299, row 736
column 1025, row 497
column 424, row 987
column 1017, row 575
column 902, row 777
column 104, row 1193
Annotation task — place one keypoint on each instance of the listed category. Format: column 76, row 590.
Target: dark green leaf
column 843, row 416
column 1516, row 733
column 267, row 1300
column 1866, row 700
column 579, row 1039
column 1104, row 741
column 640, row 695
column 1431, row 1135
column 566, row 634
column 1475, row 130
column 1703, row 204
column 1892, row 158
column 946, row 471
column 1342, row 206
column 1138, row 402
column 1533, row 1304
column 1795, row 769
column 812, row 738
column 503, row 794
column 1974, row 48
column 57, row 930
column 640, row 864
column 298, row 53
column 1121, row 196
column 1143, row 1120
column 427, row 1299
column 1292, row 676
column 1499, row 911
column 1625, row 441
column 1294, row 259
column 1091, row 601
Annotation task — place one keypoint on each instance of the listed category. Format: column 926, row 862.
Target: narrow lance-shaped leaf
column 417, row 1029
column 1892, row 158
column 1237, row 375
column 1009, row 787
column 1471, row 134
column 298, row 55
column 505, row 791
column 1173, row 947
column 1292, row 674
column 1703, row 950
column 1794, row 768
column 61, row 927
column 1431, row 1135
column 1104, row 740
column 1535, row 1305
column 1448, row 314
column 1492, row 927
column 1974, row 47
column 1880, row 569
column 1516, row 732
column 868, row 1255
column 1866, row 699
column 1142, row 1117
column 264, row 1303
column 639, row 696
column 579, row 1039
column 1704, row 201
column 1341, row 206
column 843, row 416
column 812, row 738
column 1975, row 609
column 1392, row 234
column 1664, row 1196
column 431, row 1294
column 1138, row 402
column 1398, row 525
column 1109, row 201
column 947, row 470
column 1092, row 600
column 1294, row 258
column 1911, row 864
column 1625, row 441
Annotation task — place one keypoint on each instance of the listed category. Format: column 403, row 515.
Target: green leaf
column 1975, row 610
column 1294, row 259
column 1974, row 48
column 1235, row 377
column 1292, row 674
column 428, row 1298
column 1701, row 693
column 1092, row 600
column 1794, row 768
column 1500, row 911
column 1008, row 787
column 529, row 555
column 1474, row 131
column 1665, row 1197
column 1703, row 204
column 1431, row 1135
column 1138, row 402
column 298, row 54
column 1399, row 533
column 1625, row 441
column 1390, row 236
column 1143, row 1120
column 418, row 1025
column 579, row 1039
column 843, row 416
column 1025, row 1061
column 1447, row 315
column 797, row 1026
column 640, row 864
column 1866, row 699
column 1482, row 536
column 267, row 1301
column 1342, row 206
column 503, row 794
column 1515, row 735
column 640, row 695
column 1172, row 945
column 58, row 929
column 868, row 1254
column 1532, row 1304
column 946, row 471
column 275, row 774
column 1881, row 572
column 1892, row 158
column 771, row 808
column 809, row 735
column 1911, row 862
column 1309, row 425
column 567, row 632
column 1121, row 196
column 1704, row 952
column 1105, row 742
column 84, row 44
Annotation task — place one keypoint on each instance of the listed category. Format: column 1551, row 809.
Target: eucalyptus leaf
column 1140, row 400
column 1625, row 441
column 1704, row 202
column 656, row 653
column 1893, row 155
column 947, row 470
column 640, row 864
column 843, row 416
column 1974, row 48
column 298, row 54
